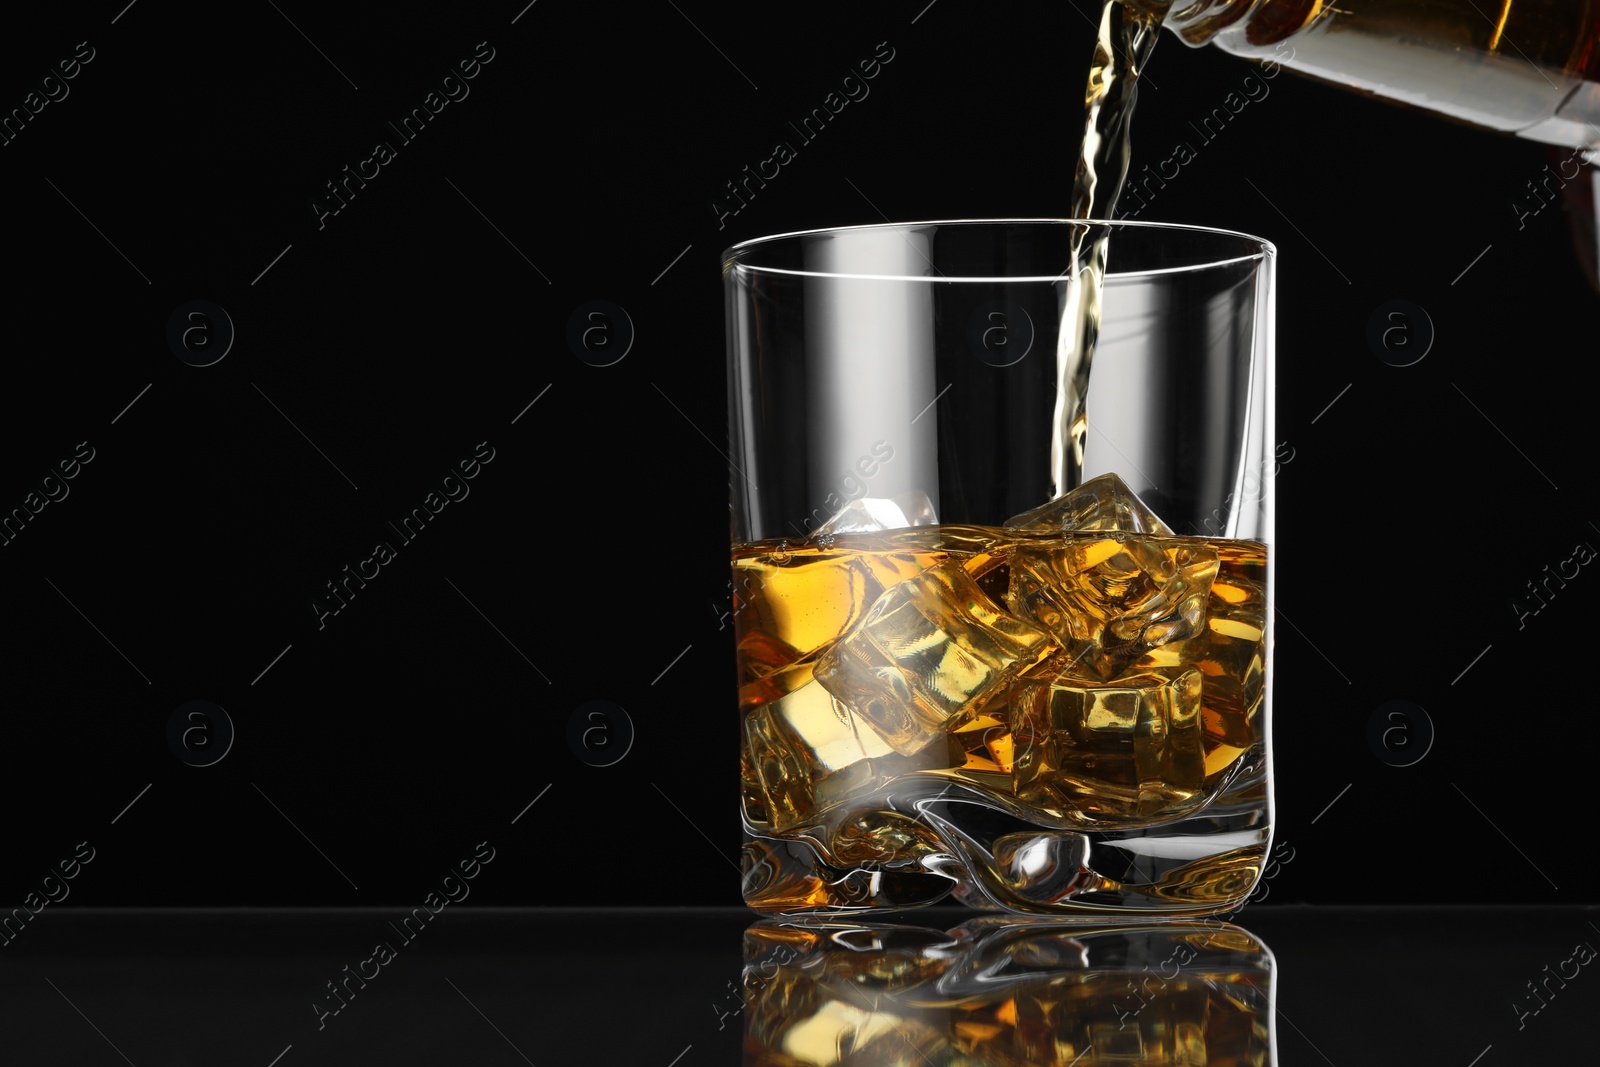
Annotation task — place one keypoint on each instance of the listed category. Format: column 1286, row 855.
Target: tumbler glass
column 1002, row 610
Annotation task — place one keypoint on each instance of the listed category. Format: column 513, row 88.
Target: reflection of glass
column 1007, row 992
column 1002, row 619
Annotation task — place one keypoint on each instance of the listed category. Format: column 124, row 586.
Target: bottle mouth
column 1196, row 23
column 1266, row 21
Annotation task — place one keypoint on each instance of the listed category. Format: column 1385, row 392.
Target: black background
column 589, row 560
column 499, row 987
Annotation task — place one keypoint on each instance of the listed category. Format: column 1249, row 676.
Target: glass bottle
column 1528, row 67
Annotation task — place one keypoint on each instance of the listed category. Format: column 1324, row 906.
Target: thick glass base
column 920, row 840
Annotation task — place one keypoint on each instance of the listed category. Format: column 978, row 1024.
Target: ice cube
column 805, row 752
column 792, row 602
column 1233, row 660
column 1102, row 504
column 797, row 600
column 870, row 514
column 1109, row 600
column 775, row 686
column 984, row 738
column 1230, row 650
column 929, row 648
column 1109, row 751
column 981, row 747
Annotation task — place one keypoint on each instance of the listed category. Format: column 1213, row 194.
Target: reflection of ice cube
column 1109, row 601
column 806, row 752
column 870, row 514
column 874, row 1036
column 930, row 647
column 1100, row 505
column 1126, row 749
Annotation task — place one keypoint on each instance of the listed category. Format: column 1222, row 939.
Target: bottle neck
column 1530, row 67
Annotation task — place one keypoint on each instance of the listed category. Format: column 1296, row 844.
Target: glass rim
column 732, row 256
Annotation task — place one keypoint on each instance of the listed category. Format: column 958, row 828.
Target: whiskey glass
column 1002, row 610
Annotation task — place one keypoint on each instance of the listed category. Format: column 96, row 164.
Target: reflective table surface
column 1281, row 985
